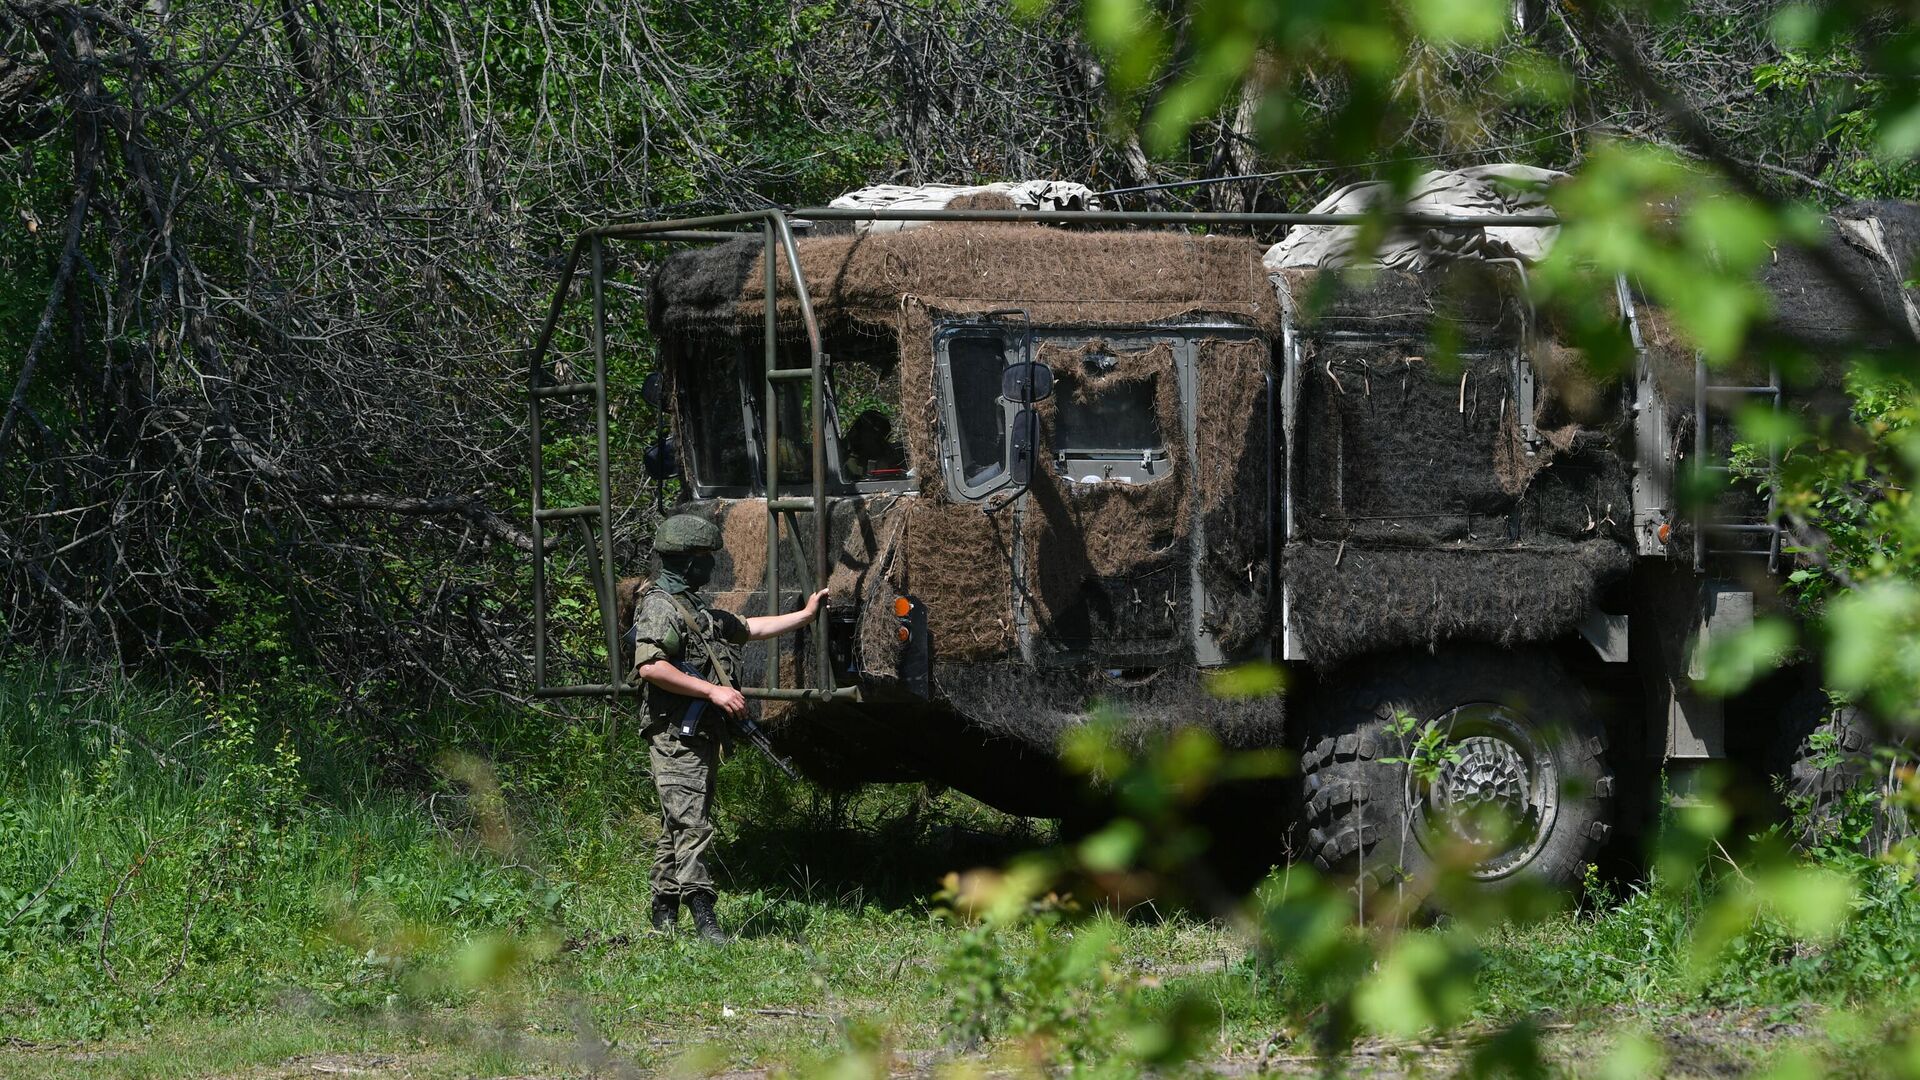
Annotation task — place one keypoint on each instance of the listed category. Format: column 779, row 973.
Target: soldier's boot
column 704, row 922
column 666, row 913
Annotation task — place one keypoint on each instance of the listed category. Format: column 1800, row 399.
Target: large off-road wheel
column 1835, row 788
column 1513, row 782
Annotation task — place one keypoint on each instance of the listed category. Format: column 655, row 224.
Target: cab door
column 1107, row 525
column 1140, row 505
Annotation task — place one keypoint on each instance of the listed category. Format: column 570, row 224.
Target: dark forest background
column 269, row 271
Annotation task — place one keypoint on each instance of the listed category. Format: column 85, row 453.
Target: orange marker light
column 902, row 606
column 1666, row 531
column 905, row 633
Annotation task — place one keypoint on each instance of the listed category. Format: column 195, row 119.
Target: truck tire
column 1821, row 754
column 1531, row 755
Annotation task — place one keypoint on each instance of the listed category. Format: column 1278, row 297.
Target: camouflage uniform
column 683, row 769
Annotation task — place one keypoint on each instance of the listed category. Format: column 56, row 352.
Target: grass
column 262, row 916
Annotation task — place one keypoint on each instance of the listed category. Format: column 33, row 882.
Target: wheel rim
column 1499, row 796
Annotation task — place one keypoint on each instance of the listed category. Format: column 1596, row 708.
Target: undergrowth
column 175, row 858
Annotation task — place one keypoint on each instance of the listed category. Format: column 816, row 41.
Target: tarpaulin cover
column 1024, row 195
column 1481, row 191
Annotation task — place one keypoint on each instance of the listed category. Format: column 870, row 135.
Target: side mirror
column 1020, row 445
column 662, row 459
column 653, row 392
column 1026, row 383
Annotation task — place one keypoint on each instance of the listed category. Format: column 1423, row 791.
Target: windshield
column 866, row 405
column 711, row 385
column 1110, row 415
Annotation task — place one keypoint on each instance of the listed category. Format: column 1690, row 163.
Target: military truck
column 1049, row 461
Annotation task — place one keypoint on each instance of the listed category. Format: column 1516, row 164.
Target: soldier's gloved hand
column 728, row 700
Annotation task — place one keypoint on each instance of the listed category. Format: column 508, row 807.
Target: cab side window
column 863, row 435
column 970, row 364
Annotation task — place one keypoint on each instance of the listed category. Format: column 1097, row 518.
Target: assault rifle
column 743, row 725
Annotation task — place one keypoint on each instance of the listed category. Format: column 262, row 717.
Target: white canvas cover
column 1480, row 191
column 1025, row 195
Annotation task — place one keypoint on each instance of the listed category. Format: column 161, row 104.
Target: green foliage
column 1844, row 488
column 1335, row 965
column 1062, row 992
column 1031, row 970
column 1426, row 748
column 1733, row 662
column 167, row 858
column 1849, row 485
column 515, row 891
column 161, row 856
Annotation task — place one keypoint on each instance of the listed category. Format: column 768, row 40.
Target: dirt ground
column 1710, row 1044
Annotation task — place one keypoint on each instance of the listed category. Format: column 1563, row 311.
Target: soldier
column 673, row 630
column 872, row 453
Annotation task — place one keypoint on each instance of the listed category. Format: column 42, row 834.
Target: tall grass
column 160, row 853
column 171, row 860
column 166, row 853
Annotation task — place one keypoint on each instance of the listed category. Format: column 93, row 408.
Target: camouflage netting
column 741, row 562
column 1350, row 599
column 1474, row 301
column 896, row 286
column 1035, row 707
column 1411, row 450
column 1874, row 244
column 1064, row 277
column 1234, row 466
column 1422, row 513
column 1108, row 563
column 863, row 534
column 866, row 531
column 956, row 561
column 698, row 288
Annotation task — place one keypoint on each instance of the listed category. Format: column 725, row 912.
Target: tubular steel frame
column 776, row 232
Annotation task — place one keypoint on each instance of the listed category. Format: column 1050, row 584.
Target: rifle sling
column 716, row 671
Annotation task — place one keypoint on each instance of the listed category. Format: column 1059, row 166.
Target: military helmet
column 684, row 532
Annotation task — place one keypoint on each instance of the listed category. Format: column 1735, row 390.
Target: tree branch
column 1699, row 138
column 56, row 292
column 465, row 506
